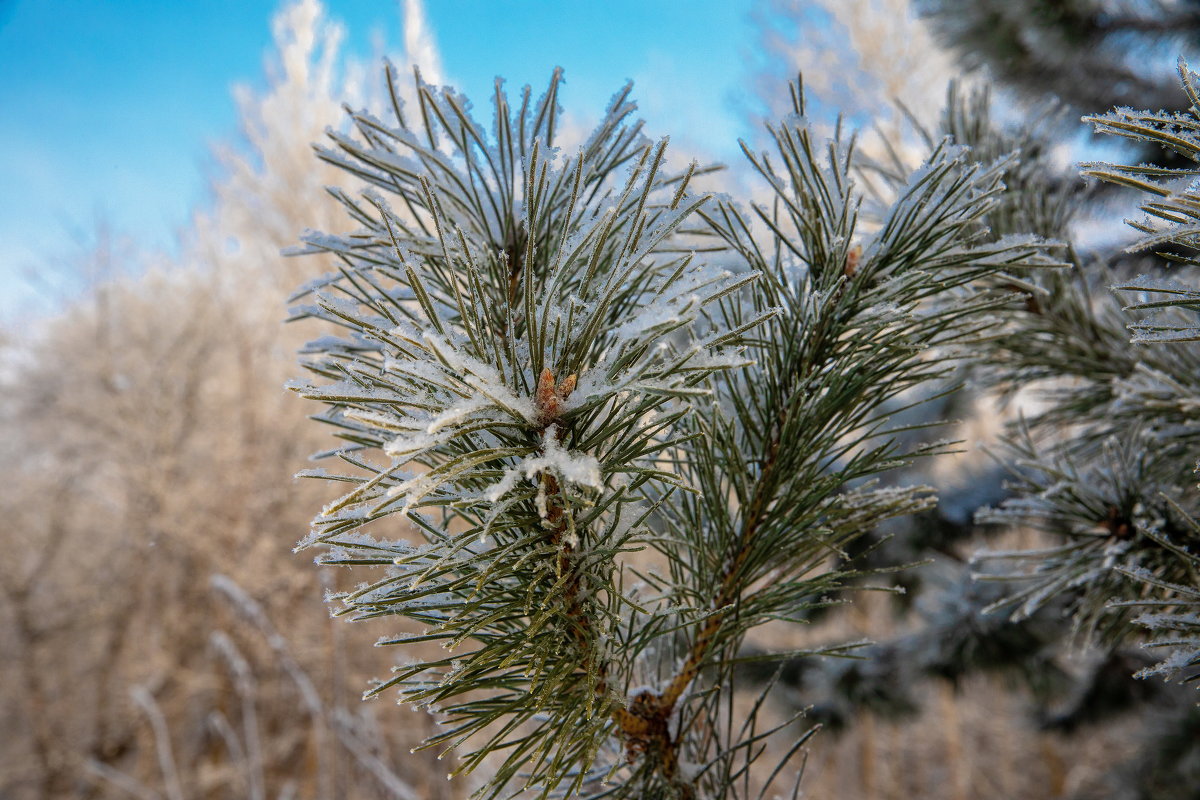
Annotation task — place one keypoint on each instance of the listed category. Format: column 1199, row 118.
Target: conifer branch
column 1112, row 487
column 540, row 383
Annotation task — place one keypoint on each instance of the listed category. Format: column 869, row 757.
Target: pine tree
column 1118, row 486
column 1096, row 461
column 1101, row 465
column 625, row 424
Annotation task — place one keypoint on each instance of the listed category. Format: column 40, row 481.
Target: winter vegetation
column 862, row 468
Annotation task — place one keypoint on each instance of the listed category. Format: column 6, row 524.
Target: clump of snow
column 572, row 466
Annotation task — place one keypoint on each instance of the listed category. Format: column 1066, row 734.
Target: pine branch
column 516, row 335
column 794, row 436
column 1111, row 487
column 541, row 383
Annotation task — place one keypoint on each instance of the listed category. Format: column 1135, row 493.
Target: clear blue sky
column 108, row 109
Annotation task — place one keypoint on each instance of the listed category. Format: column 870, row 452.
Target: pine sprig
column 1099, row 465
column 792, row 442
column 1174, row 615
column 1172, row 221
column 521, row 355
column 1171, row 224
column 540, row 379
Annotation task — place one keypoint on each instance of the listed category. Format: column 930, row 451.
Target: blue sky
column 108, row 109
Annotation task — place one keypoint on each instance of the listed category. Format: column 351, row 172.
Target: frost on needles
column 585, row 459
column 1102, row 464
column 1166, row 398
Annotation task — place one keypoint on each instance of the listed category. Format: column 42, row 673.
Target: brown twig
column 549, row 398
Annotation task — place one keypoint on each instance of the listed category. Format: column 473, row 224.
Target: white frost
column 572, row 466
